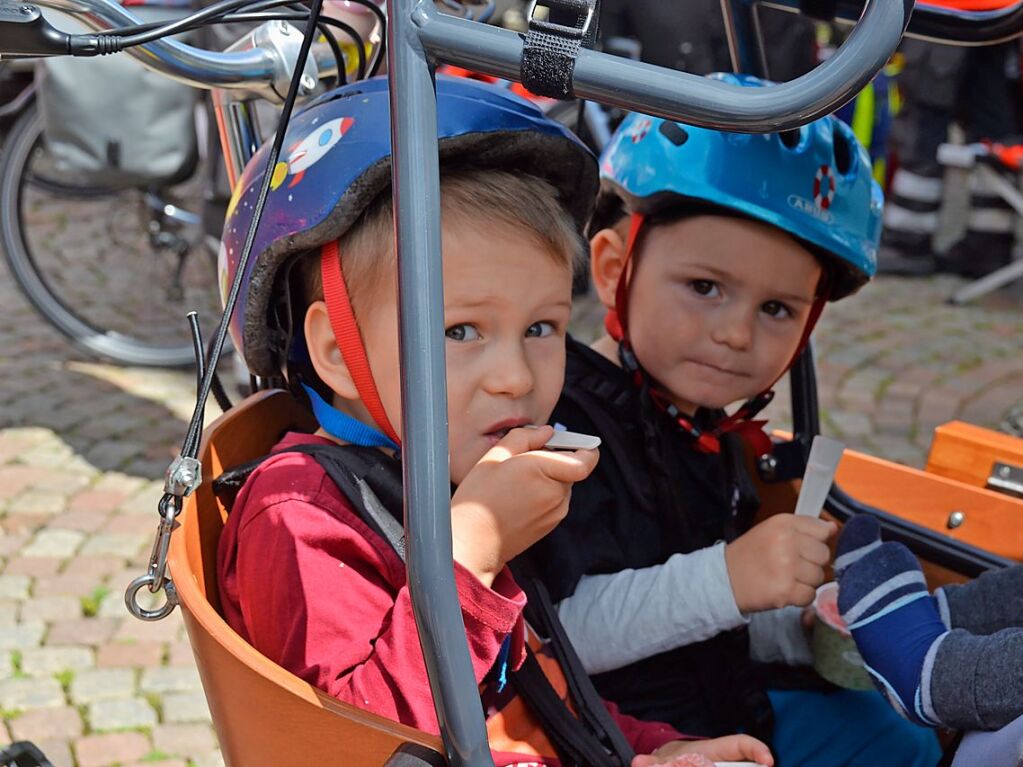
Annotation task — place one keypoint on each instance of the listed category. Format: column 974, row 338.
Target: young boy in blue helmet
column 714, row 255
column 310, row 563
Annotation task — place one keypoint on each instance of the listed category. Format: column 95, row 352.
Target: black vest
column 652, row 496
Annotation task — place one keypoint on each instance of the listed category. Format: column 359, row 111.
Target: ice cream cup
column 834, row 652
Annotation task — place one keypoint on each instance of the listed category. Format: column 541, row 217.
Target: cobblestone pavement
column 83, row 445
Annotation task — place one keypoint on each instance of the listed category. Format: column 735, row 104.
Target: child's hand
column 779, row 562
column 701, row 753
column 512, row 498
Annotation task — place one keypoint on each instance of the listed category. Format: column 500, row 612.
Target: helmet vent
column 843, row 153
column 791, row 138
column 673, row 132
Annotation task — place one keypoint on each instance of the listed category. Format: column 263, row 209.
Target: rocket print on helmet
column 309, row 151
column 824, row 187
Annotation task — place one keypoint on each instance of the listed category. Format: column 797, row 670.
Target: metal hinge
column 1006, row 478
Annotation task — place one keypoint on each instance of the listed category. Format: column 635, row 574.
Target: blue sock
column 884, row 601
column 859, row 536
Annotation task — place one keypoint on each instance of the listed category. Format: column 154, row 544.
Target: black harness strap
column 372, row 484
column 591, row 708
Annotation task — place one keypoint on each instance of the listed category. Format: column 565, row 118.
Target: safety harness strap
column 349, row 340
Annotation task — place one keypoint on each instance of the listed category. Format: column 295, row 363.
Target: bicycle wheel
column 115, row 270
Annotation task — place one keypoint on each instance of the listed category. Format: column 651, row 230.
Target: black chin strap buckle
column 553, row 42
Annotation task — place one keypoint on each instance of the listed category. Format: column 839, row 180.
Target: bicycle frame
column 419, row 37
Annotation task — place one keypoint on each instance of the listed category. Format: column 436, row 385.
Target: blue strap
column 344, row 427
column 502, row 664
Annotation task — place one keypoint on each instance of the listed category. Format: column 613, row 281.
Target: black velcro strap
column 551, row 46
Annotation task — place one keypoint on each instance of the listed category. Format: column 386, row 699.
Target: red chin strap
column 616, row 324
column 349, row 340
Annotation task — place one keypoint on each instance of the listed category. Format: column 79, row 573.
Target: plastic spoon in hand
column 570, row 440
column 821, row 466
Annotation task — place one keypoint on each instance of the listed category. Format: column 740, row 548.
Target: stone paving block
column 33, row 567
column 57, row 751
column 11, row 543
column 102, row 684
column 47, row 661
column 83, row 521
column 184, row 739
column 93, row 568
column 180, row 654
column 43, row 502
column 54, row 543
column 114, row 544
column 27, row 524
column 170, row 679
column 111, row 749
column 121, row 483
column 129, row 654
column 159, row 762
column 94, row 631
column 98, row 500
column 24, row 694
column 14, row 586
column 21, row 636
column 121, row 714
column 213, row 759
column 65, row 584
column 50, row 724
column 181, row 707
column 14, row 479
column 129, row 524
column 848, row 423
column 51, row 608
column 6, row 664
column 9, row 611
column 150, row 631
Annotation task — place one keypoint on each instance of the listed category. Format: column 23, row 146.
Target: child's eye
column 776, row 309
column 705, row 287
column 539, row 330
column 463, row 332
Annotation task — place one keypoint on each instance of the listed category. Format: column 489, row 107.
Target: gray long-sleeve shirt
column 620, row 618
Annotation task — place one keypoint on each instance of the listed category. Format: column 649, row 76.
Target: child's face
column 506, row 310
column 717, row 306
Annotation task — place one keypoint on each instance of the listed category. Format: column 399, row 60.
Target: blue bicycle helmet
column 815, row 182
column 337, row 160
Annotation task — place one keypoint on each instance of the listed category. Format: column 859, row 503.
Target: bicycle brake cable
column 184, row 474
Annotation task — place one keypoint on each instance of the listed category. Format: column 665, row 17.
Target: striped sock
column 860, row 535
column 884, row 601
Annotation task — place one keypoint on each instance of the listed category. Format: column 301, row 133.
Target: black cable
column 339, row 56
column 190, row 446
column 219, row 8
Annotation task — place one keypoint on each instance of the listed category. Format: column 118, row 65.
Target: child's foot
column 859, row 536
column 884, row 601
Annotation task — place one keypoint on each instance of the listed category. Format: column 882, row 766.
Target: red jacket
column 306, row 582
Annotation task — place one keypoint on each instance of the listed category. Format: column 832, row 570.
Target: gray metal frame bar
column 679, row 96
column 424, row 430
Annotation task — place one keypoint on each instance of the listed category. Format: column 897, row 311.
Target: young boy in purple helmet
column 310, row 563
column 714, row 255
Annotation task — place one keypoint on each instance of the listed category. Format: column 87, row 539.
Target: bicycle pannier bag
column 115, row 121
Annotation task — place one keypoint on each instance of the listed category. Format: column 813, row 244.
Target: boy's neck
column 607, row 347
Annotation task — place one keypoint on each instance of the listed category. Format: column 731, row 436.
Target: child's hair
column 469, row 196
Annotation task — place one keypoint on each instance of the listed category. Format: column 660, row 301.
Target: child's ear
column 324, row 353
column 607, row 259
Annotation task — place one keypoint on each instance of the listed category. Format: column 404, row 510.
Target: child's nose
column 510, row 373
column 733, row 329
